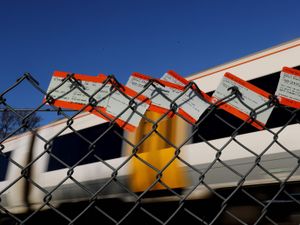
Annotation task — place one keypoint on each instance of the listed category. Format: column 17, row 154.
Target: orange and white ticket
column 159, row 95
column 190, row 104
column 173, row 77
column 110, row 103
column 75, row 93
column 128, row 116
column 252, row 96
column 288, row 89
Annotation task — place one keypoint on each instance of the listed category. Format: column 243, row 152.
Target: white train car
column 261, row 69
column 68, row 166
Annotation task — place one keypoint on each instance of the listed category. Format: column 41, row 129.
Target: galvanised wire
column 223, row 207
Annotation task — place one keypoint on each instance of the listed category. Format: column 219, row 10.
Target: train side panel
column 236, row 161
column 13, row 186
column 68, row 171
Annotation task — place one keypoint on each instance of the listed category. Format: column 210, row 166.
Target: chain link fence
column 219, row 170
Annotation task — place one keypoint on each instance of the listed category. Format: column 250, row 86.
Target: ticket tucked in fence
column 288, row 89
column 193, row 102
column 127, row 111
column 252, row 96
column 158, row 94
column 173, row 77
column 75, row 92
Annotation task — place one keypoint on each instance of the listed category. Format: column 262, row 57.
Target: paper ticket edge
column 241, row 115
column 182, row 112
column 166, row 83
column 186, row 116
column 247, row 85
column 162, row 110
column 97, row 79
column 130, row 92
column 284, row 100
column 291, row 71
column 186, row 82
column 234, row 111
column 289, row 102
column 153, row 107
column 177, row 76
column 158, row 109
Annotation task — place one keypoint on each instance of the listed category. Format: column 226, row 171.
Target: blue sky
column 121, row 37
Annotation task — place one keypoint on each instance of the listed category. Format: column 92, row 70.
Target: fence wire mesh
column 213, row 174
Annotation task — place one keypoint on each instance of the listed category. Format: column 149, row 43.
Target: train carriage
column 92, row 158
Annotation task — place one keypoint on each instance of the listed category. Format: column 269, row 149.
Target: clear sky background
column 125, row 36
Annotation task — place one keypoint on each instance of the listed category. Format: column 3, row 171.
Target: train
column 86, row 157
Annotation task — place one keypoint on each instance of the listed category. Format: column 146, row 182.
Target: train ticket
column 127, row 111
column 75, row 93
column 193, row 103
column 173, row 77
column 252, row 96
column 288, row 89
column 158, row 94
column 189, row 103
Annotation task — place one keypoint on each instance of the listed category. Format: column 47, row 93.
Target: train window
column 214, row 126
column 3, row 165
column 70, row 148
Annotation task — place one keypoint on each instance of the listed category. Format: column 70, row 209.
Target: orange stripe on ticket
column 121, row 123
column 131, row 93
column 178, row 77
column 247, row 85
column 99, row 79
column 128, row 91
column 163, row 82
column 291, row 71
column 186, row 82
column 241, row 115
column 289, row 102
column 186, row 116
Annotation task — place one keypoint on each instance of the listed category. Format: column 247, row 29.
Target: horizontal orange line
column 247, row 61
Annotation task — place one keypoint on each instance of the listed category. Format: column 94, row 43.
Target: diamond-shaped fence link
column 85, row 169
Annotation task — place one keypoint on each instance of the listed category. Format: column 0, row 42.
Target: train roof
column 251, row 66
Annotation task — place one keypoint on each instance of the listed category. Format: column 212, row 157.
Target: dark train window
column 3, row 165
column 213, row 127
column 70, row 148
